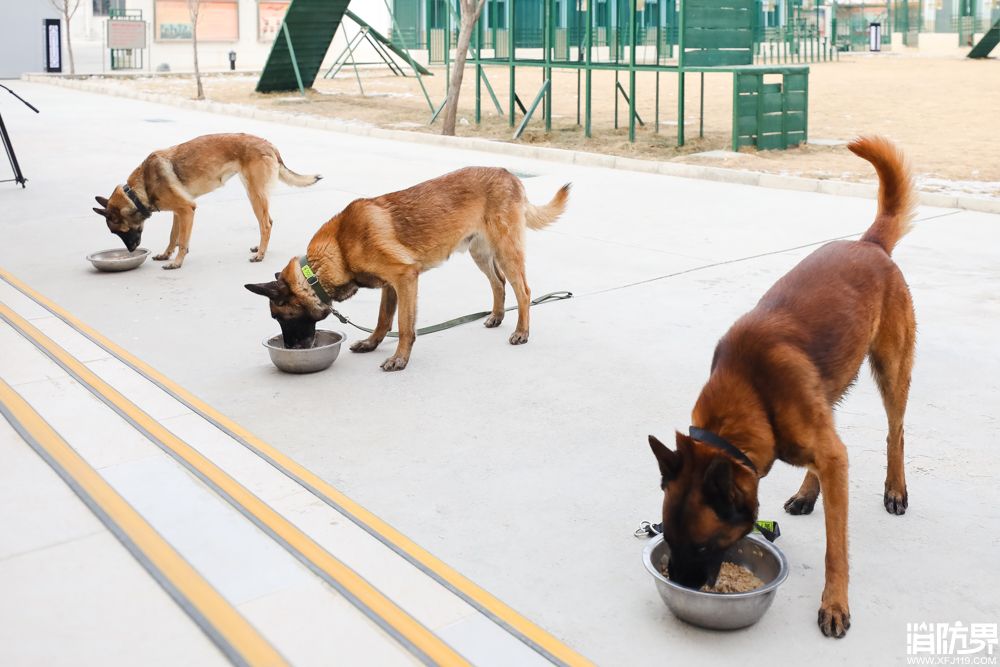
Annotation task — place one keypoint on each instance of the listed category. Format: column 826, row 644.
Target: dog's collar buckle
column 313, row 279
column 142, row 208
column 717, row 441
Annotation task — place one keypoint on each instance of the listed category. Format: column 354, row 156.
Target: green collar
column 313, row 279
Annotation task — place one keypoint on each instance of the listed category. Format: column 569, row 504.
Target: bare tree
column 471, row 9
column 194, row 6
column 67, row 8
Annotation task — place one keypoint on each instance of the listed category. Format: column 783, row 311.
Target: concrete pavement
column 526, row 468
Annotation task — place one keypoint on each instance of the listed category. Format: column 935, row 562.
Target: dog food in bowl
column 712, row 610
column 732, row 578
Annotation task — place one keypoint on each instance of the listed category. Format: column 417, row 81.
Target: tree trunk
column 470, row 15
column 194, row 7
column 69, row 43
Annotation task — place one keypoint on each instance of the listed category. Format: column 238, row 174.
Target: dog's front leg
column 184, row 220
column 386, row 311
column 174, row 227
column 831, row 468
column 406, row 292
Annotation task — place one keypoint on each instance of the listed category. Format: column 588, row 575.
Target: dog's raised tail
column 289, row 177
column 540, row 217
column 897, row 197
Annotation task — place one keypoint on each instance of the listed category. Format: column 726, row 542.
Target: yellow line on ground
column 396, row 620
column 223, row 620
column 459, row 582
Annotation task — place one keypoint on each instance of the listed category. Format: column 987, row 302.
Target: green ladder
column 301, row 44
column 987, row 43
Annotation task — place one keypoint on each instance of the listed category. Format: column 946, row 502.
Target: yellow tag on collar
column 307, row 271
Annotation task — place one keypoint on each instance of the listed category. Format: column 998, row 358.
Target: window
column 105, row 7
column 218, row 21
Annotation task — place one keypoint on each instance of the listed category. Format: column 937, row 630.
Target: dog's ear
column 669, row 461
column 276, row 290
column 102, row 201
column 101, row 212
column 720, row 491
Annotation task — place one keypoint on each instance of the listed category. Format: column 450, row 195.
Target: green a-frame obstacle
column 988, row 42
column 305, row 36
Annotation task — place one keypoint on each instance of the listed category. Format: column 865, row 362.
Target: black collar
column 719, row 442
column 313, row 280
column 142, row 208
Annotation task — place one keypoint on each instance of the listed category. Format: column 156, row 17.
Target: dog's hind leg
column 891, row 361
column 257, row 179
column 804, row 499
column 483, row 256
column 172, row 245
column 508, row 245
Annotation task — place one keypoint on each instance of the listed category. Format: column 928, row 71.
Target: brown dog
column 775, row 378
column 387, row 241
column 171, row 179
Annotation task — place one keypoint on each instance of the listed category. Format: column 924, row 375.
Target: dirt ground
column 941, row 109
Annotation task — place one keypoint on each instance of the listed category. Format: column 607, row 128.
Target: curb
column 565, row 156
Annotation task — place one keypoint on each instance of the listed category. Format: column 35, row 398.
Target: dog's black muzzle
column 298, row 334
column 694, row 571
column 131, row 239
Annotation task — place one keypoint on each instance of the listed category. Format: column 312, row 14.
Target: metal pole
column 657, row 101
column 590, row 48
column 510, row 58
column 402, row 40
column 701, row 107
column 680, row 78
column 547, row 70
column 291, row 53
column 631, row 71
column 534, row 105
column 479, row 68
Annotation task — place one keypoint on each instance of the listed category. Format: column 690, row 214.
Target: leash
column 769, row 529
column 458, row 321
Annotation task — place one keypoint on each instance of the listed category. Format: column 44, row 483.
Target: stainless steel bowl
column 722, row 611
column 118, row 259
column 309, row 360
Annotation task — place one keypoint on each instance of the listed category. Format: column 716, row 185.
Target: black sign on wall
column 53, row 45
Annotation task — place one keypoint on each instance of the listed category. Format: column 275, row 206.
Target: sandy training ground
column 942, row 109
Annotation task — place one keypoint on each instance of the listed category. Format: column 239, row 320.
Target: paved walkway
column 523, row 468
column 269, row 561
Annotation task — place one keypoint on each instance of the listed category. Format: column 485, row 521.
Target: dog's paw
column 171, row 265
column 255, row 248
column 895, row 502
column 394, row 364
column 493, row 321
column 518, row 338
column 256, row 258
column 834, row 619
column 163, row 256
column 366, row 345
column 800, row 504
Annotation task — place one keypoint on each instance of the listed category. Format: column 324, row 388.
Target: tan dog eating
column 171, row 179
column 777, row 375
column 386, row 242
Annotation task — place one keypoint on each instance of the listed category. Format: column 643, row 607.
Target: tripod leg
column 18, row 176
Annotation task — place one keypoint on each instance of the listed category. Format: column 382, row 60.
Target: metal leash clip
column 647, row 529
